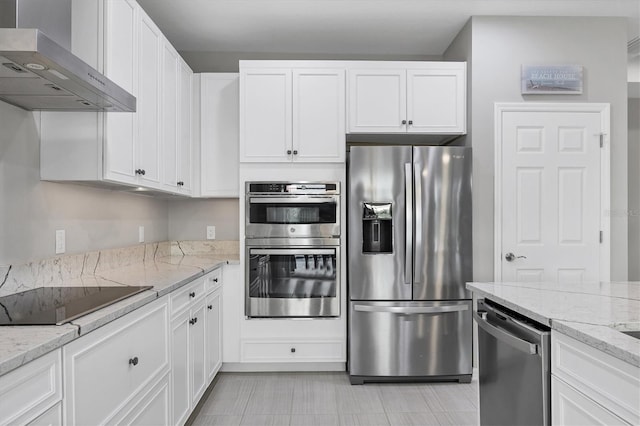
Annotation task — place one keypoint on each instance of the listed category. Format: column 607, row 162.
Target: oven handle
column 292, row 251
column 412, row 310
column 291, row 200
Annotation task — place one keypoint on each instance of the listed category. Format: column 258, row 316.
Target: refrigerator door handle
column 408, row 234
column 412, row 310
column 418, row 208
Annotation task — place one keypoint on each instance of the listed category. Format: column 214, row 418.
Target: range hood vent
column 38, row 73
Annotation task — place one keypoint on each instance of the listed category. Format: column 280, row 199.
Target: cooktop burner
column 59, row 305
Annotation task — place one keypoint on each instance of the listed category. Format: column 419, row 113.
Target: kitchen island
column 595, row 358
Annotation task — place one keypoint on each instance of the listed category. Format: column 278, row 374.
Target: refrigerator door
column 443, row 261
column 380, row 222
column 409, row 339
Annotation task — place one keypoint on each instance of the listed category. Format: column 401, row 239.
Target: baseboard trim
column 255, row 367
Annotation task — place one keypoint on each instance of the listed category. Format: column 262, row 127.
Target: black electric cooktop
column 59, row 305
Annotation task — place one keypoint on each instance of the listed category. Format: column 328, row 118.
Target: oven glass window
column 292, row 276
column 293, row 213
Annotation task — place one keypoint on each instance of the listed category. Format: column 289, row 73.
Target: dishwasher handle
column 503, row 336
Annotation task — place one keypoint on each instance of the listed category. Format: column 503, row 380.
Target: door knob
column 510, row 257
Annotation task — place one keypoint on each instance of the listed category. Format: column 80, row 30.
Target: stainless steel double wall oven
column 292, row 242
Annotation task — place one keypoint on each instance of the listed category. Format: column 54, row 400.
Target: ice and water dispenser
column 377, row 228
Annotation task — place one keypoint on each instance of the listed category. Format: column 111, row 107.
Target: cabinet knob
column 193, row 320
column 215, row 280
column 181, row 183
column 404, row 121
column 410, row 122
column 210, row 307
column 295, row 152
column 293, row 350
column 288, row 152
column 133, row 361
column 140, row 172
column 192, row 294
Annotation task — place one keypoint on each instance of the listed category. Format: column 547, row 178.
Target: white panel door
column 149, row 146
column 169, row 117
column 185, row 140
column 551, row 196
column 219, row 167
column 319, row 115
column 120, row 65
column 265, row 115
column 436, row 100
column 180, row 369
column 213, row 329
column 378, row 101
column 197, row 343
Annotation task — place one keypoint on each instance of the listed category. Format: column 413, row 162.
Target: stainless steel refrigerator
column 409, row 251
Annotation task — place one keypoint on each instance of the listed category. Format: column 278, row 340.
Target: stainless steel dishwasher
column 514, row 367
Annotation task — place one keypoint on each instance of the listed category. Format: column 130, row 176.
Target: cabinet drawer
column 213, row 280
column 105, row 369
column 291, row 351
column 30, row 390
column 571, row 408
column 607, row 380
column 183, row 297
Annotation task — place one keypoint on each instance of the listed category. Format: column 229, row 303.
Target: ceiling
column 360, row 27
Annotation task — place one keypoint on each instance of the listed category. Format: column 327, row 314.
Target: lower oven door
column 292, row 282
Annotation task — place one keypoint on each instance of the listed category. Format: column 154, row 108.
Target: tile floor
column 324, row 399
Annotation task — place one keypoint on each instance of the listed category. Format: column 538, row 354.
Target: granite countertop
column 594, row 313
column 21, row 344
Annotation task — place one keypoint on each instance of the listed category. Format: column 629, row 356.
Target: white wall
column 498, row 46
column 634, row 189
column 188, row 219
column 31, row 210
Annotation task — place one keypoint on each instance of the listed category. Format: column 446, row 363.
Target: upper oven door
column 292, row 216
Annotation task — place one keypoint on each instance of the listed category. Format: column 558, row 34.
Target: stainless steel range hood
column 38, row 73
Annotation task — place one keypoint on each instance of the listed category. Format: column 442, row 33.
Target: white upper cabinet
column 219, row 171
column 290, row 114
column 149, row 101
column 170, row 117
column 425, row 98
column 265, row 115
column 185, row 133
column 318, row 115
column 377, row 101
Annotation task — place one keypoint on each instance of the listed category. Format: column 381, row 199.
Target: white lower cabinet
column 153, row 408
column 107, row 372
column 29, row 393
column 572, row 408
column 195, row 342
column 51, row 417
column 591, row 387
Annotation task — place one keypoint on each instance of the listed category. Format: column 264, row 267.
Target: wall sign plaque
column 551, row 79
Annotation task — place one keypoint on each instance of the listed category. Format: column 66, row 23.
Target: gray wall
column 228, row 61
column 634, row 189
column 188, row 219
column 498, row 46
column 31, row 210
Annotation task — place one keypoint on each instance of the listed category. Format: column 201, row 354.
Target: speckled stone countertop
column 594, row 313
column 21, row 344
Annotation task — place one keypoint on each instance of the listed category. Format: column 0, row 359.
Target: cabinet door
column 51, row 417
column 436, row 100
column 180, row 371
column 213, row 328
column 265, row 115
column 219, row 94
column 150, row 40
column 319, row 115
column 185, row 141
column 152, row 409
column 572, row 408
column 120, row 65
column 197, row 343
column 169, row 117
column 377, row 101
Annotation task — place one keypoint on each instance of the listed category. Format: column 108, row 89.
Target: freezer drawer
column 410, row 339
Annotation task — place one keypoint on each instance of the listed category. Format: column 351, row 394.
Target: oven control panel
column 292, row 188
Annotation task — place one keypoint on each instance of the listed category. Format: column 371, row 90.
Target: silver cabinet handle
column 408, row 233
column 412, row 310
column 418, row 191
column 503, row 336
column 292, row 252
column 510, row 257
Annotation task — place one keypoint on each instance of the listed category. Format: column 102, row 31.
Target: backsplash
column 84, row 269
